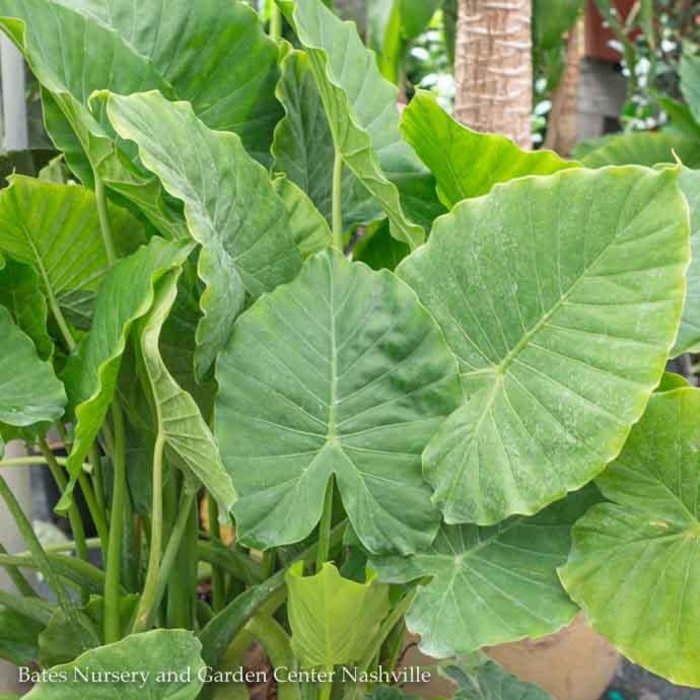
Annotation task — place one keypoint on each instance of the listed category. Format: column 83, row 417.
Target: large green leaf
column 20, row 294
column 331, row 617
column 490, row 585
column 55, row 228
column 231, row 208
column 184, row 430
column 213, row 54
column 308, row 228
column 360, row 105
column 639, row 148
column 561, row 297
column 466, row 163
column 18, row 637
column 340, row 372
column 29, row 390
column 689, row 74
column 635, row 563
column 689, row 333
column 158, row 665
column 91, row 374
column 486, row 680
column 303, row 146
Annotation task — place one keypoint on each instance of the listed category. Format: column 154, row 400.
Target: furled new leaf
column 20, row 294
column 153, row 654
column 635, row 565
column 29, row 390
column 360, row 105
column 55, row 229
column 339, row 372
column 231, row 208
column 466, row 163
column 126, row 295
column 689, row 333
column 331, row 617
column 490, row 585
column 561, row 297
column 303, row 146
column 180, row 423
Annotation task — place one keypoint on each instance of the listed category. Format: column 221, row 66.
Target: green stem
column 33, row 608
column 17, row 577
column 104, row 219
column 218, row 580
column 391, row 620
column 147, row 602
column 76, row 523
column 337, row 216
column 325, row 689
column 96, row 473
column 38, row 553
column 96, row 513
column 324, row 527
column 275, row 22
column 112, row 631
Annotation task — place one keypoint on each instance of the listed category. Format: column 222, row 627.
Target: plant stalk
column 76, row 523
column 112, row 631
column 150, row 588
column 17, row 577
column 337, row 216
column 101, row 199
column 218, row 580
column 275, row 22
column 324, row 527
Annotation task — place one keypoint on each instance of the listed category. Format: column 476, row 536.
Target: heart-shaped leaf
column 360, row 106
column 159, row 665
column 55, row 229
column 339, row 372
column 466, row 163
column 29, row 390
column 635, row 563
column 490, row 585
column 231, row 208
column 303, row 146
column 331, row 617
column 91, row 374
column 561, row 298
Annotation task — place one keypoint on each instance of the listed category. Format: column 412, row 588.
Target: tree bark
column 493, row 67
column 562, row 125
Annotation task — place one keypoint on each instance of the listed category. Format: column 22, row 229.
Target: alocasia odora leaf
column 90, row 376
column 213, row 54
column 635, row 563
column 561, row 297
column 20, row 294
column 153, row 654
column 184, row 430
column 231, row 208
column 490, row 585
column 689, row 333
column 467, row 163
column 55, row 229
column 486, row 680
column 333, row 618
column 689, row 74
column 303, row 146
column 29, row 390
column 340, row 372
column 360, row 105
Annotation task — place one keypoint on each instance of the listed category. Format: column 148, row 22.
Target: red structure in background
column 599, row 36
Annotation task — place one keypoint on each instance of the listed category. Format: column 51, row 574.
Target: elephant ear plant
column 324, row 376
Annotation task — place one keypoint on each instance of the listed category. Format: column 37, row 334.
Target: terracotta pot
column 598, row 37
column 572, row 664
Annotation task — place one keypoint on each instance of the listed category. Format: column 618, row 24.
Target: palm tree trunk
column 493, row 67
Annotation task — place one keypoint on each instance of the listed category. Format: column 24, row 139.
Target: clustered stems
column 112, row 631
column 150, row 588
